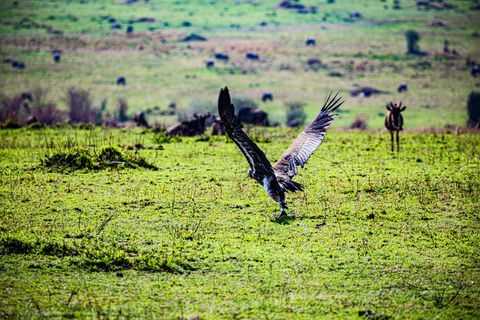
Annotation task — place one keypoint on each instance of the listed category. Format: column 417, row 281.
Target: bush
column 196, row 106
column 473, row 109
column 412, row 38
column 46, row 113
column 11, row 111
column 296, row 112
column 80, row 105
column 78, row 158
column 122, row 110
column 359, row 123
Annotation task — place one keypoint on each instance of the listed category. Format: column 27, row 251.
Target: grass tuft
column 79, row 158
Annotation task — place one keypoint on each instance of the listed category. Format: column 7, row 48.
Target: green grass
column 394, row 233
column 374, row 230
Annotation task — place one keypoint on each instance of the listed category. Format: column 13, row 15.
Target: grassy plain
column 159, row 69
column 394, row 234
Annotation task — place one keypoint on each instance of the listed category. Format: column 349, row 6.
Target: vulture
column 277, row 179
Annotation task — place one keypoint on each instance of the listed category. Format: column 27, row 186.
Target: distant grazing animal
column 31, row 119
column 267, row 96
column 141, row 120
column 475, row 70
column 314, row 61
column 252, row 56
column 394, row 121
column 355, row 15
column 210, row 64
column 310, row 42
column 18, row 65
column 403, row 87
column 130, row 29
column 56, row 57
column 221, row 56
column 277, row 179
column 189, row 128
column 27, row 96
column 293, row 123
column 253, row 116
column 364, row 92
column 218, row 129
column 446, row 50
column 121, row 81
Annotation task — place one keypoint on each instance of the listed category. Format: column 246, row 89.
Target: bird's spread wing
column 234, row 128
column 305, row 144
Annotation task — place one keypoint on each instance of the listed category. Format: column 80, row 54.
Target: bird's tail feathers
column 291, row 186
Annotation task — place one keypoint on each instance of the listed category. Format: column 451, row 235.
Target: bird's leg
column 283, row 206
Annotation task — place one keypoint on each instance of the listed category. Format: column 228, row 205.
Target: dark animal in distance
column 221, row 56
column 18, row 65
column 402, row 87
column 121, row 81
column 252, row 56
column 218, row 129
column 253, row 116
column 189, row 128
column 31, row 119
column 475, row 70
column 364, row 92
column 56, row 57
column 293, row 123
column 27, row 96
column 130, row 29
column 310, row 42
column 210, row 64
column 140, row 119
column 394, row 121
column 267, row 96
column 277, row 179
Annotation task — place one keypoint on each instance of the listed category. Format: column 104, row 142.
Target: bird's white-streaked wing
column 308, row 141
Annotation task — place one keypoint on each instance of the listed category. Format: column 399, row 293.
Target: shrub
column 359, row 123
column 122, row 110
column 46, row 113
column 76, row 158
column 80, row 105
column 196, row 106
column 296, row 112
column 11, row 111
column 473, row 109
column 79, row 158
column 412, row 38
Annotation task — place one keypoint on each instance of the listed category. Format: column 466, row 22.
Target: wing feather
column 234, row 128
column 307, row 142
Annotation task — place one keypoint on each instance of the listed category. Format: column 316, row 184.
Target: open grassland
column 375, row 233
column 397, row 234
column 160, row 69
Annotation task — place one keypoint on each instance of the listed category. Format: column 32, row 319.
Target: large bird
column 277, row 179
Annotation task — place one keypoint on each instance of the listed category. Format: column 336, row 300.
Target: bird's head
column 250, row 173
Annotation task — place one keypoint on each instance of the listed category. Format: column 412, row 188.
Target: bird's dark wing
column 256, row 158
column 306, row 143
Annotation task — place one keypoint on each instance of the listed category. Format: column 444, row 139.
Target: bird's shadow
column 284, row 219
